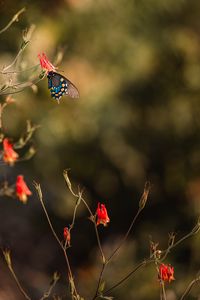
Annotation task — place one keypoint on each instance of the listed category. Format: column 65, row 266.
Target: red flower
column 66, row 235
column 45, row 63
column 166, row 273
column 22, row 191
column 9, row 155
column 102, row 215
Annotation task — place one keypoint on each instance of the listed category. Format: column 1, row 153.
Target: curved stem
column 7, row 257
column 52, row 285
column 19, row 87
column 142, row 203
column 139, row 266
column 99, row 281
column 19, row 285
column 39, row 192
column 189, row 287
column 194, row 231
column 14, row 18
column 21, row 71
column 96, row 231
column 14, row 61
column 79, row 196
column 126, row 235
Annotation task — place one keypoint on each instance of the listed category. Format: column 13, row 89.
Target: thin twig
column 2, row 106
column 20, row 71
column 189, row 287
column 14, row 61
column 7, row 257
column 71, row 226
column 52, row 285
column 139, row 266
column 19, row 285
column 142, row 203
column 24, row 139
column 19, row 87
column 40, row 196
column 105, row 261
column 99, row 281
column 126, row 235
column 14, row 19
column 26, row 39
column 194, row 231
column 96, row 231
column 75, row 211
column 163, row 293
column 79, row 195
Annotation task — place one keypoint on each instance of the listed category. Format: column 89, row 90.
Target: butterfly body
column 60, row 85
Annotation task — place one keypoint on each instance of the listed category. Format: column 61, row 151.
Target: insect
column 60, row 85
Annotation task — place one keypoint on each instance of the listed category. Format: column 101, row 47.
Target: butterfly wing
column 60, row 85
column 72, row 91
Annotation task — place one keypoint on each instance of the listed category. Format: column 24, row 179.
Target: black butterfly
column 59, row 86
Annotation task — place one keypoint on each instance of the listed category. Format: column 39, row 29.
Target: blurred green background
column 137, row 67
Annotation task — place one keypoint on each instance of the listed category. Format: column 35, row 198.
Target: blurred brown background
column 137, row 67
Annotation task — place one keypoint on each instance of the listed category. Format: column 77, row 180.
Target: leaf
column 145, row 195
column 101, row 287
column 7, row 257
column 4, row 87
column 23, row 140
column 29, row 154
column 42, row 75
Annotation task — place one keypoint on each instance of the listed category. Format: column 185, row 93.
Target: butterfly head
column 50, row 75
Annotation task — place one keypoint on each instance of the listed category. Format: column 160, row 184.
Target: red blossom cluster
column 10, row 156
column 166, row 273
column 102, row 215
column 102, row 218
column 22, row 191
column 45, row 63
column 66, row 235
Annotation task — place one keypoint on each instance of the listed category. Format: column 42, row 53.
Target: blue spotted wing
column 60, row 85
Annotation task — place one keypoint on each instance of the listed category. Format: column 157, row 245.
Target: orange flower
column 66, row 235
column 9, row 155
column 9, row 99
column 166, row 273
column 45, row 63
column 102, row 215
column 22, row 191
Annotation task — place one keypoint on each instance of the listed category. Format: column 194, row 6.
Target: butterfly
column 60, row 85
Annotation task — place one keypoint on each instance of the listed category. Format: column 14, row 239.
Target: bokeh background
column 137, row 67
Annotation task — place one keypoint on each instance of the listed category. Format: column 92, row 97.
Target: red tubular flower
column 22, row 191
column 66, row 235
column 166, row 273
column 9, row 155
column 45, row 63
column 102, row 215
